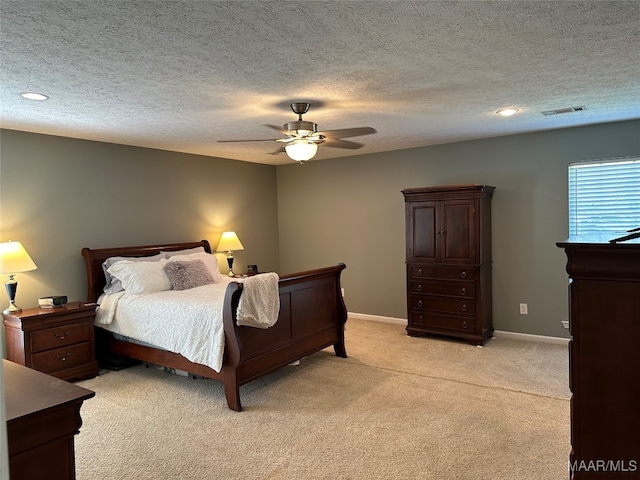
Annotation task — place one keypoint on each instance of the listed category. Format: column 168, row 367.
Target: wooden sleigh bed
column 312, row 317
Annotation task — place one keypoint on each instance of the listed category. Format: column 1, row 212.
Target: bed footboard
column 312, row 317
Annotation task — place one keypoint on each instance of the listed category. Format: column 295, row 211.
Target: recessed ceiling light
column 507, row 112
column 34, row 96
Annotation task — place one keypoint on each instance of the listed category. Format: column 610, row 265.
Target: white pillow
column 186, row 251
column 141, row 277
column 112, row 284
column 210, row 261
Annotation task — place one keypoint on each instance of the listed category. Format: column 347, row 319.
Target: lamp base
column 12, row 309
column 230, row 263
column 11, row 286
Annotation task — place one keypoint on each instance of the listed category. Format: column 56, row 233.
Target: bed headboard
column 94, row 258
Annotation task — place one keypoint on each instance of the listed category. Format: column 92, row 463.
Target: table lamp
column 14, row 259
column 229, row 242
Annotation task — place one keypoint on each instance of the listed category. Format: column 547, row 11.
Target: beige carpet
column 397, row 408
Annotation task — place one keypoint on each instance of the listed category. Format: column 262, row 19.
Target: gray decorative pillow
column 186, row 275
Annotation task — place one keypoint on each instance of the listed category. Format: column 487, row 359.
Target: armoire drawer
column 463, row 290
column 450, row 305
column 427, row 320
column 439, row 273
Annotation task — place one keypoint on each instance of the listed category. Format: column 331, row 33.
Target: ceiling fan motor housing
column 301, row 125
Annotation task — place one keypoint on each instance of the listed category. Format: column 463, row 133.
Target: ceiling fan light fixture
column 301, row 150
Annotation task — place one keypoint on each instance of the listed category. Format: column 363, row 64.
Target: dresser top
column 27, row 391
column 599, row 240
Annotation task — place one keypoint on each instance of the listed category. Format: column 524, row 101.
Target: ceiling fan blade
column 279, row 129
column 348, row 132
column 279, row 151
column 250, row 140
column 338, row 143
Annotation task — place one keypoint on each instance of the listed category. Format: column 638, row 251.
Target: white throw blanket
column 259, row 304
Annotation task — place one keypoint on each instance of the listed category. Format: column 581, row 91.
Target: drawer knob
column 420, row 303
column 419, row 272
column 419, row 288
column 463, row 275
column 463, row 291
column 421, row 319
column 464, row 324
column 63, row 358
column 464, row 308
column 61, row 336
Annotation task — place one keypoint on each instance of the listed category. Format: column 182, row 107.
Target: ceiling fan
column 302, row 137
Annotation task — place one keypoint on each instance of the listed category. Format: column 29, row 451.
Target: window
column 604, row 196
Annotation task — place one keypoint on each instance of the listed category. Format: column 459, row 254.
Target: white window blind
column 604, row 196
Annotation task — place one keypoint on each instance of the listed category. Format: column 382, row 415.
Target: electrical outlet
column 523, row 309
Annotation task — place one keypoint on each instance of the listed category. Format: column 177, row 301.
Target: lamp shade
column 14, row 258
column 301, row 150
column 229, row 242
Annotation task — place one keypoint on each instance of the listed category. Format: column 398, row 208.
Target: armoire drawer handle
column 421, row 319
column 420, row 303
column 464, row 324
column 419, row 272
column 61, row 336
column 463, row 275
column 463, row 291
column 464, row 308
column 64, row 357
column 419, row 288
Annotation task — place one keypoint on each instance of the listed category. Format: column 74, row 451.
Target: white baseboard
column 498, row 333
column 378, row 318
column 530, row 337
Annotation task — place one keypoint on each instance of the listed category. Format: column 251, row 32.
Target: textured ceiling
column 181, row 75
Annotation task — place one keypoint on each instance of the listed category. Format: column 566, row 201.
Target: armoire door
column 457, row 237
column 422, row 236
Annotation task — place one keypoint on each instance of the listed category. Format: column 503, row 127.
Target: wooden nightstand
column 59, row 341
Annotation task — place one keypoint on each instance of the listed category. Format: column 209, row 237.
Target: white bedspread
column 188, row 322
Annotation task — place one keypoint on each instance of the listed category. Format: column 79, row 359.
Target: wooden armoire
column 448, row 257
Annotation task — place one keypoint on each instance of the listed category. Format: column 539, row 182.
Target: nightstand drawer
column 62, row 358
column 60, row 336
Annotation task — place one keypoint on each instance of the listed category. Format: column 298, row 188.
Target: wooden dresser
column 43, row 415
column 448, row 259
column 59, row 341
column 604, row 358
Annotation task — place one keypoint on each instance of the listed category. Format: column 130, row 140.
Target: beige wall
column 58, row 195
column 351, row 210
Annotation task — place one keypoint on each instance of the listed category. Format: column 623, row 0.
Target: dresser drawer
column 450, row 273
column 427, row 320
column 451, row 305
column 62, row 358
column 463, row 290
column 60, row 336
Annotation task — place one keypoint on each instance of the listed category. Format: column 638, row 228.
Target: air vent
column 564, row 110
